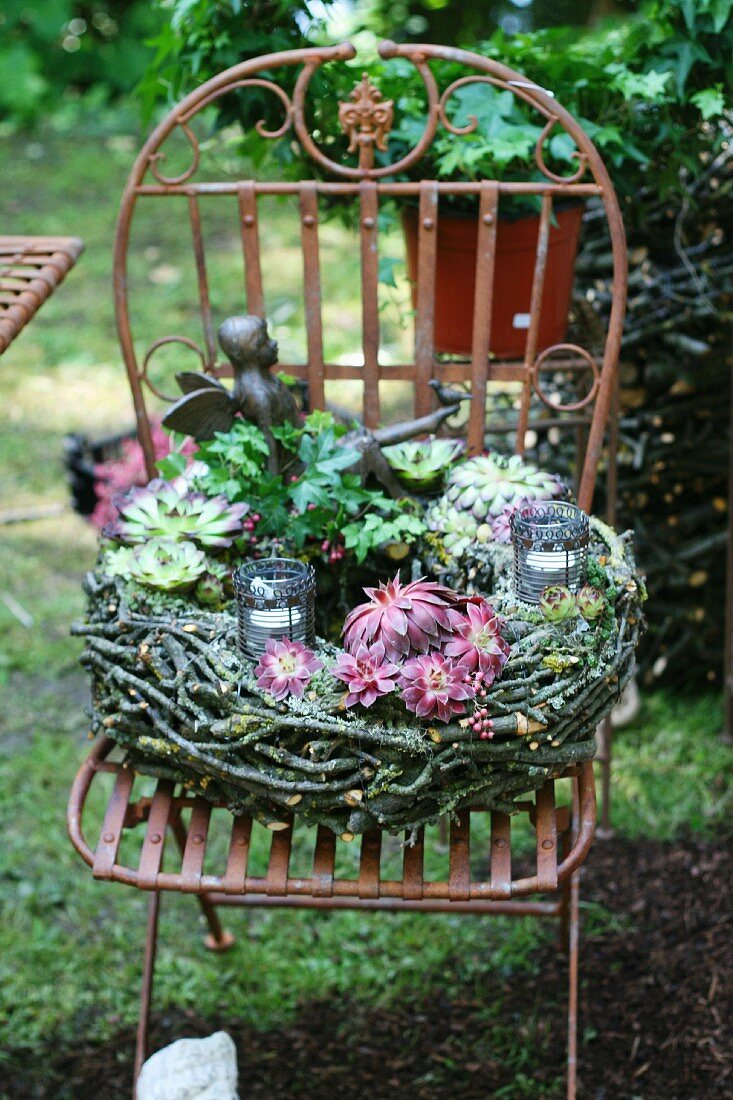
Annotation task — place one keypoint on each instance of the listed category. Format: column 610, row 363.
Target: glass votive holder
column 550, row 540
column 275, row 599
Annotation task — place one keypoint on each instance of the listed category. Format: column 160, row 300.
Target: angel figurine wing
column 202, row 413
column 189, row 381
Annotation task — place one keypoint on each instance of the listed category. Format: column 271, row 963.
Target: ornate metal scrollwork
column 183, row 120
column 366, row 117
column 252, row 82
column 172, row 181
column 450, row 90
column 539, row 364
column 187, row 342
column 540, row 160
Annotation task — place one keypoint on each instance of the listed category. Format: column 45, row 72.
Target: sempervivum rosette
column 159, row 563
column 477, row 643
column 459, row 530
column 409, row 619
column 285, row 668
column 367, row 674
column 433, row 686
column 421, row 464
column 167, row 509
column 486, row 484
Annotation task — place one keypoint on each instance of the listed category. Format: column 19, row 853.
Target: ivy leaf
column 324, row 455
column 710, row 101
column 686, row 53
column 310, row 491
column 287, row 435
column 172, row 465
column 651, row 86
column 387, row 265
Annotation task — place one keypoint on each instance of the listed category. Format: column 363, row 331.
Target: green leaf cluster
column 654, row 92
column 315, row 497
column 200, row 38
column 56, row 49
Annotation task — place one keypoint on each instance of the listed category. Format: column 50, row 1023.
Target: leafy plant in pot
column 499, row 133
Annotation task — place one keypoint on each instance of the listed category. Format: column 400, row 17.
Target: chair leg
column 605, row 746
column 573, row 951
column 218, row 939
column 146, row 991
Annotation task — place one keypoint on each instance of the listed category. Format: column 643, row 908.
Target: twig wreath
column 445, row 689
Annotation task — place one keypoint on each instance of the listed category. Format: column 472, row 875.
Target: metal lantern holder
column 275, row 599
column 550, row 541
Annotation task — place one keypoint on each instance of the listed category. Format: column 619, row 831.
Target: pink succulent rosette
column 433, row 686
column 366, row 673
column 409, row 619
column 477, row 643
column 285, row 668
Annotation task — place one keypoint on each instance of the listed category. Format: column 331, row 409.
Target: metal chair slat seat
column 459, row 891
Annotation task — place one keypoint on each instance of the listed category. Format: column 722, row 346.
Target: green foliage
column 653, row 92
column 236, row 461
column 388, row 521
column 51, row 47
column 158, row 563
column 315, row 497
column 203, row 37
column 643, row 89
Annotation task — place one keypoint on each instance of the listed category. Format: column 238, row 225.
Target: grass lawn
column 70, row 947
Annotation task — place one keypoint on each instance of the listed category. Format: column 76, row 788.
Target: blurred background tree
column 50, row 49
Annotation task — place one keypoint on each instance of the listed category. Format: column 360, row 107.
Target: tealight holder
column 275, row 599
column 550, row 540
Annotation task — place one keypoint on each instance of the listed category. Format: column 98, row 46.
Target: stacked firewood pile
column 675, row 413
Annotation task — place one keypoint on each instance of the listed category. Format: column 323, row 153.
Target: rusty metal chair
column 129, row 845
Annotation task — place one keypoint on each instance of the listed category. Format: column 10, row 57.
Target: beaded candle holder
column 275, row 599
column 550, row 540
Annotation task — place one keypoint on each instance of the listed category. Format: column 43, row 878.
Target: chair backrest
column 365, row 180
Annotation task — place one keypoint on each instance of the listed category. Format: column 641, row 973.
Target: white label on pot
column 521, row 320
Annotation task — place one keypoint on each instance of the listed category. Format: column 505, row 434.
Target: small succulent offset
column 408, row 619
column 285, row 668
column 434, row 686
column 367, row 674
column 590, row 602
column 159, row 563
column 557, row 603
column 486, row 484
column 421, row 465
column 211, row 591
column 168, row 509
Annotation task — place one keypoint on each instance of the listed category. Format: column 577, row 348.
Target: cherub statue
column 208, row 407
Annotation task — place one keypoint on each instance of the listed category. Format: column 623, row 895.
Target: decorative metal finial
column 366, row 117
